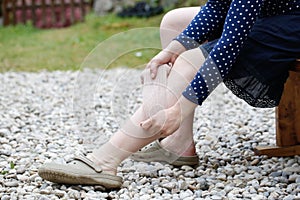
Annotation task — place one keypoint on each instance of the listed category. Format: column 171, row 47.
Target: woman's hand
column 167, row 121
column 166, row 56
column 163, row 57
column 164, row 122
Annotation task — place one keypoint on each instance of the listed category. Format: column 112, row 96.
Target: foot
column 186, row 148
column 81, row 171
column 156, row 153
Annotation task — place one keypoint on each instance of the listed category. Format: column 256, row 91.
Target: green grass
column 109, row 41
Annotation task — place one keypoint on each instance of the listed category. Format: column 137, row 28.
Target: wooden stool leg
column 276, row 151
column 297, row 109
column 287, row 116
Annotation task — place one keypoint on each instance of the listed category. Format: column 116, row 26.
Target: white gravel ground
column 45, row 116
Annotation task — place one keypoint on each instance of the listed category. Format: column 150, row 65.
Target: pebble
column 145, row 197
column 44, row 198
column 5, row 197
column 169, row 185
column 4, row 132
column 189, row 174
column 45, row 191
column 215, row 197
column 29, row 188
column 11, row 184
column 289, row 197
column 74, row 194
column 276, row 174
column 21, row 170
column 292, row 169
column 40, row 122
column 23, row 178
column 255, row 162
column 220, row 185
column 185, row 194
column 221, row 177
column 182, row 185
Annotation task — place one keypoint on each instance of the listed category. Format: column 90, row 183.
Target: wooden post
column 23, row 10
column 52, row 11
column 63, row 14
column 72, row 11
column 44, row 14
column 33, row 8
column 13, row 10
column 82, row 9
column 287, row 119
column 5, row 13
column 286, row 112
column 297, row 102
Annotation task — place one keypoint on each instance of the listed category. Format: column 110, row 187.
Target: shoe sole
column 176, row 163
column 105, row 180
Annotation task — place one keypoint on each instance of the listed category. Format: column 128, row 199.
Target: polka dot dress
column 236, row 17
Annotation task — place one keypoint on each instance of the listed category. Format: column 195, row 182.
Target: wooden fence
column 45, row 13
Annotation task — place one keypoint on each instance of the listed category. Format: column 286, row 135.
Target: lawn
column 107, row 41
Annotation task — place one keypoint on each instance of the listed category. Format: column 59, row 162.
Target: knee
column 179, row 18
column 170, row 19
column 185, row 60
column 188, row 63
column 194, row 58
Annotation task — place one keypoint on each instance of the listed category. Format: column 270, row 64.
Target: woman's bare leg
column 131, row 137
column 172, row 25
column 174, row 22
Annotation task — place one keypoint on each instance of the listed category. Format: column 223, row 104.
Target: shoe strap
column 87, row 161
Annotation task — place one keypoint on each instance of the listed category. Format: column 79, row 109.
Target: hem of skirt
column 191, row 99
column 244, row 95
column 204, row 51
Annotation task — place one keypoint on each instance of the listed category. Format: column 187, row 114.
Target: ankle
column 182, row 148
column 108, row 157
column 106, row 166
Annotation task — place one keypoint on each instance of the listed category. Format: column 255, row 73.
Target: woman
column 251, row 44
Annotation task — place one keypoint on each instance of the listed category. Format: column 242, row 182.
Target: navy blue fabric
column 261, row 69
column 236, row 18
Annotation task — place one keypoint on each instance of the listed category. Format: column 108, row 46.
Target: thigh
column 179, row 18
column 174, row 22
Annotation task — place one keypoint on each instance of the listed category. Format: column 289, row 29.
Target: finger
column 142, row 79
column 169, row 69
column 153, row 70
column 174, row 58
column 146, row 76
column 146, row 124
column 152, row 62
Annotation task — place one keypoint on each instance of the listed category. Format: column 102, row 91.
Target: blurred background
column 58, row 34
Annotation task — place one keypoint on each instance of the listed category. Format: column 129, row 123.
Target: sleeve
column 239, row 20
column 206, row 23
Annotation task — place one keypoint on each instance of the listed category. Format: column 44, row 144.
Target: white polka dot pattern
column 237, row 18
column 205, row 23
